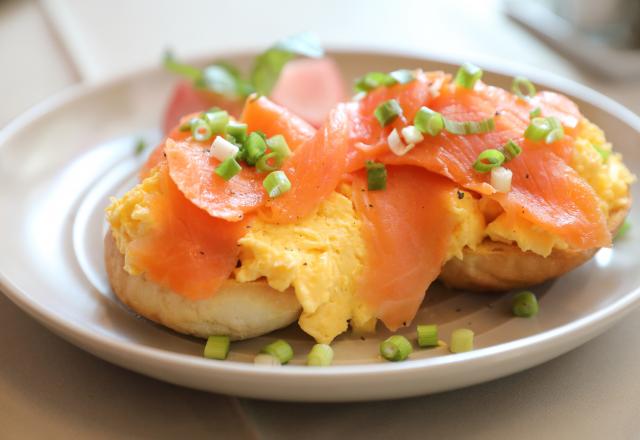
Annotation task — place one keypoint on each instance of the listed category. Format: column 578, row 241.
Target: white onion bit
column 396, row 145
column 266, row 359
column 222, row 149
column 501, row 179
column 412, row 135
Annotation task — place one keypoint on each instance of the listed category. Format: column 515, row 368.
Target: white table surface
column 50, row 389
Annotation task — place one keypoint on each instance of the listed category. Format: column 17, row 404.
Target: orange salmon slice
column 187, row 250
column 407, row 233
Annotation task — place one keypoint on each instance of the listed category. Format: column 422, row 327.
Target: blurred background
column 52, row 44
column 47, row 46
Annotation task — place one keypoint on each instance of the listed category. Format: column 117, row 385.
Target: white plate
column 60, row 162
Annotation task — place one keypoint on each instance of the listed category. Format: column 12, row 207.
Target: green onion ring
column 523, row 88
column 487, row 160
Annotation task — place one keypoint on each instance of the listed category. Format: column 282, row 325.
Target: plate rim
column 593, row 323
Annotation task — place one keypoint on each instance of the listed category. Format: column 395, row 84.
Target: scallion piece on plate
column 228, row 168
column 376, row 175
column 469, row 127
column 266, row 359
column 321, row 355
column 427, row 335
column 238, row 130
column 461, row 340
column 525, row 304
column 395, row 348
column 428, row 121
column 201, row 131
column 276, row 183
column 511, row 150
column 255, row 147
column 279, row 349
column 467, row 75
column 487, row 160
column 387, row 112
column 217, row 347
column 523, row 88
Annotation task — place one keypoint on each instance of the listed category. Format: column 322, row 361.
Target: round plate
column 61, row 161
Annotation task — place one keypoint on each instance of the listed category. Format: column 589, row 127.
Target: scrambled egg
column 594, row 161
column 130, row 216
column 322, row 257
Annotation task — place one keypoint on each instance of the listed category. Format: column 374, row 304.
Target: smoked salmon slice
column 192, row 168
column 545, row 190
column 314, row 170
column 186, row 250
column 407, row 232
column 262, row 114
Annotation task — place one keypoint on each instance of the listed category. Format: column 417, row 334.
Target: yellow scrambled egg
column 322, row 255
column 594, row 161
column 130, row 216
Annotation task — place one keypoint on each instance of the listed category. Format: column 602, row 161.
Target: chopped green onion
column 278, row 145
column 279, row 349
column 266, row 163
column 511, row 150
column 525, row 304
column 140, row 146
column 376, row 175
column 602, row 152
column 255, row 147
column 427, row 335
column 387, row 112
column 274, row 160
column 523, row 88
column 228, row 168
column 396, row 348
column 217, row 121
column 469, row 127
column 321, row 355
column 373, row 80
column 266, row 359
column 276, row 183
column 201, row 131
column 403, row 76
column 238, row 130
column 538, row 129
column 461, row 340
column 535, row 113
column 623, row 230
column 467, row 75
column 428, row 121
column 554, row 135
column 217, row 347
column 487, row 160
